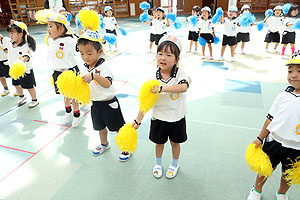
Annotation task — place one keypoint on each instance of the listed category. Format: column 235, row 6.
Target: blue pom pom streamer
column 171, row 16
column 246, row 19
column 178, row 23
column 144, row 5
column 216, row 17
column 78, row 23
column 110, row 38
column 286, row 7
column 69, row 17
column 202, row 41
column 216, row 40
column 102, row 25
column 269, row 12
column 260, row 25
column 193, row 20
column 297, row 24
column 101, row 18
column 123, row 31
column 144, row 17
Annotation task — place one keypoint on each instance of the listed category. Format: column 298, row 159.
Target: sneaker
column 254, row 195
column 116, row 50
column 221, row 58
column 5, row 93
column 275, row 51
column 195, row 52
column 100, row 149
column 124, row 156
column 33, row 104
column 232, row 59
column 189, row 51
column 211, row 58
column 267, row 50
column 157, row 171
column 203, row 57
column 67, row 117
column 16, row 94
column 172, row 171
column 281, row 196
column 150, row 51
column 242, row 51
column 21, row 100
column 77, row 120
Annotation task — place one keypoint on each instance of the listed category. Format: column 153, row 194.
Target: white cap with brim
column 233, row 9
column 245, row 7
column 95, row 37
column 22, row 25
column 107, row 8
column 278, row 7
column 295, row 59
column 206, row 9
column 56, row 17
column 173, row 39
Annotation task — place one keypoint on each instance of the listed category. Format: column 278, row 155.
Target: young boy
column 105, row 111
column 281, row 131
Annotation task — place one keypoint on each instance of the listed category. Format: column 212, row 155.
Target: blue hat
column 161, row 9
column 107, row 8
column 233, row 9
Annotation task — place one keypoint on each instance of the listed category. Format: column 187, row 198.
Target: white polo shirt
column 230, row 27
column 285, row 116
column 3, row 55
column 160, row 26
column 206, row 26
column 191, row 27
column 289, row 20
column 15, row 53
column 170, row 107
column 99, row 93
column 274, row 24
column 61, row 53
column 110, row 23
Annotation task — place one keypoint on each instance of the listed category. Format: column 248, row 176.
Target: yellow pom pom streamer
column 52, row 81
column 126, row 139
column 90, row 19
column 46, row 39
column 83, row 91
column 258, row 161
column 41, row 15
column 293, row 174
column 17, row 69
column 147, row 99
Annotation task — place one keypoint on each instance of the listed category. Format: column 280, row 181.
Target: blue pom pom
column 78, row 23
column 286, row 7
column 219, row 11
column 171, row 16
column 123, row 31
column 144, row 17
column 178, row 23
column 144, row 5
column 193, row 20
column 297, row 24
column 101, row 18
column 216, row 40
column 260, row 25
column 69, row 17
column 110, row 38
column 216, row 17
column 102, row 25
column 202, row 41
column 269, row 12
column 246, row 19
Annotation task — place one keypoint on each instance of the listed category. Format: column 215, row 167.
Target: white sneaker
column 33, row 104
column 189, row 51
column 157, row 171
column 77, row 120
column 21, row 100
column 16, row 94
column 68, row 117
column 5, row 93
column 172, row 171
column 281, row 196
column 211, row 58
column 124, row 156
column 221, row 58
column 232, row 59
column 100, row 149
column 195, row 52
column 150, row 51
column 253, row 195
column 116, row 50
column 275, row 51
column 242, row 51
column 203, row 57
column 267, row 50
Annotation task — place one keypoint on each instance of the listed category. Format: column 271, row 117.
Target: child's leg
column 223, row 50
column 151, row 44
column 75, row 105
column 3, row 82
column 196, row 46
column 191, row 44
column 276, row 45
column 76, row 113
column 67, row 102
column 259, row 183
column 243, row 45
column 19, row 90
column 203, row 50
column 175, row 150
column 103, row 137
column 116, row 45
column 283, row 49
column 210, row 49
column 232, row 48
column 32, row 93
column 293, row 48
column 267, row 45
column 284, row 187
column 159, row 149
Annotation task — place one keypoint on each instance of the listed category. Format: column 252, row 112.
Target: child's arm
column 168, row 23
column 104, row 82
column 178, row 88
column 213, row 30
column 137, row 122
column 222, row 19
column 149, row 23
column 263, row 134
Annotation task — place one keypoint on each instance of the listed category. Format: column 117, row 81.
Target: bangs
column 12, row 27
column 167, row 45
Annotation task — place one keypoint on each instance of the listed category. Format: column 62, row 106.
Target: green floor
column 227, row 104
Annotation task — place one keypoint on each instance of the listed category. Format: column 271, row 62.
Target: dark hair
column 293, row 7
column 150, row 11
column 281, row 14
column 30, row 40
column 84, row 42
column 196, row 9
column 209, row 15
column 112, row 13
column 162, row 47
column 58, row 25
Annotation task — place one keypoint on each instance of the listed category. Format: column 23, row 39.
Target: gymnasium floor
column 41, row 158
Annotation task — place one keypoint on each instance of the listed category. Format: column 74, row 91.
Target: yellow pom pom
column 147, row 99
column 258, row 161
column 83, row 91
column 41, row 15
column 17, row 69
column 126, row 139
column 90, row 19
column 65, row 83
column 46, row 39
column 52, row 81
column 293, row 174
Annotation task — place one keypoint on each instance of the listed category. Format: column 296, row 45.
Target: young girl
column 153, row 15
column 206, row 30
column 229, row 32
column 274, row 24
column 61, row 52
column 110, row 23
column 20, row 45
column 4, row 69
column 193, row 30
column 243, row 34
column 281, row 131
column 289, row 33
column 168, row 114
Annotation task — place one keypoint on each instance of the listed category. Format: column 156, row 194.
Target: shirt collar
column 99, row 62
column 173, row 72
column 19, row 45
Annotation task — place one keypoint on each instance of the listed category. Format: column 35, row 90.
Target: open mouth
column 163, row 63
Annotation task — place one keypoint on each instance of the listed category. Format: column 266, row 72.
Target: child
column 110, row 23
column 153, row 15
column 229, row 32
column 281, row 131
column 168, row 114
column 193, row 30
column 62, row 48
column 274, row 24
column 4, row 69
column 19, row 45
column 105, row 111
column 206, row 30
column 289, row 33
column 243, row 32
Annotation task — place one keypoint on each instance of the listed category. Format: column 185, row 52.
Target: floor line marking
column 45, row 122
column 6, row 147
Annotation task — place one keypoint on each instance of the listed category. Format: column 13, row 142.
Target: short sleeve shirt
column 193, row 28
column 230, row 27
column 274, row 24
column 206, row 26
column 289, row 20
column 110, row 23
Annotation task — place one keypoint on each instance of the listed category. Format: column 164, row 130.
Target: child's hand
column 135, row 124
column 155, row 89
column 87, row 78
column 257, row 142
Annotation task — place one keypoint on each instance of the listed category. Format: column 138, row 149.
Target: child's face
column 294, row 12
column 166, row 59
column 231, row 14
column 54, row 31
column 109, row 13
column 194, row 12
column 294, row 76
column 246, row 11
column 160, row 14
column 89, row 54
column 277, row 13
column 15, row 36
column 205, row 14
column 154, row 13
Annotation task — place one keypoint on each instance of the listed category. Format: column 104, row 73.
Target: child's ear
column 100, row 52
column 177, row 60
